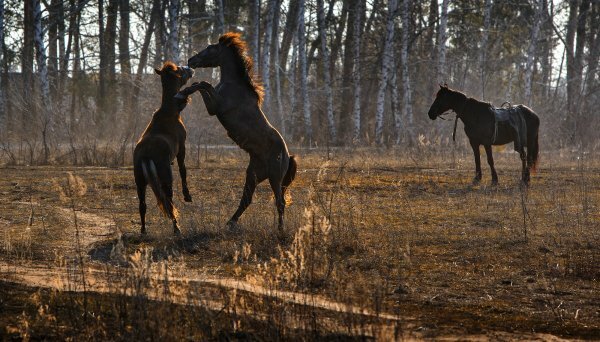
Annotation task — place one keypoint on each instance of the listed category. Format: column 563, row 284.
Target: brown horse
column 487, row 126
column 236, row 101
column 162, row 141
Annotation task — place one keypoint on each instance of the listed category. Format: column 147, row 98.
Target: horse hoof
column 187, row 198
column 494, row 183
column 143, row 231
column 232, row 226
column 476, row 181
column 177, row 231
column 180, row 96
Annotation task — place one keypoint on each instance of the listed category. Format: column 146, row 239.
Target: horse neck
column 458, row 103
column 168, row 106
column 230, row 67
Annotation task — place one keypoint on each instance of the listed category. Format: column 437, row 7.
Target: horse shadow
column 117, row 251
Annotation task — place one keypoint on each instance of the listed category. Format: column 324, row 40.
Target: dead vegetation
column 377, row 243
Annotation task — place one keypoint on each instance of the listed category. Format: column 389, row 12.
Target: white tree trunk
column 405, row 75
column 219, row 17
column 531, row 50
column 2, row 110
column 304, row 72
column 356, row 72
column 387, row 62
column 326, row 74
column 483, row 52
column 396, row 101
column 265, row 59
column 277, row 68
column 255, row 17
column 442, row 37
column 173, row 31
column 38, row 37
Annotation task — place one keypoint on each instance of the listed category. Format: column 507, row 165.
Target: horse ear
column 445, row 85
column 157, row 71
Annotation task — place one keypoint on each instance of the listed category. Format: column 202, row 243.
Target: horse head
column 207, row 58
column 442, row 102
column 171, row 73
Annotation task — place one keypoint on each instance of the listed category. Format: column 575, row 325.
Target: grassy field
column 377, row 243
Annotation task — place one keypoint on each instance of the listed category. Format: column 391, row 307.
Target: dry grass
column 389, row 232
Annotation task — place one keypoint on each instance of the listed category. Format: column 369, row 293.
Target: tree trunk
column 594, row 54
column 3, row 116
column 531, row 50
column 487, row 11
column 546, row 58
column 288, row 33
column 255, row 30
column 405, row 70
column 356, row 79
column 219, row 18
column 45, row 109
column 173, row 54
column 339, row 32
column 570, row 50
column 124, row 57
column 304, row 73
column 160, row 40
column 326, row 74
column 266, row 59
column 27, row 62
column 277, row 68
column 441, row 43
column 53, row 45
column 387, row 62
column 345, row 121
column 396, row 102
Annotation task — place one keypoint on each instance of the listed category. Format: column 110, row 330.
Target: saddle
column 512, row 117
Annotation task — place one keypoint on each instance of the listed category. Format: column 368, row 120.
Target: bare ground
column 412, row 250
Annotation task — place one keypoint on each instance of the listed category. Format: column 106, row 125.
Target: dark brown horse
column 162, row 141
column 236, row 101
column 487, row 126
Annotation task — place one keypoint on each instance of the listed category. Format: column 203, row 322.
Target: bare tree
column 265, row 59
column 405, row 70
column 43, row 76
column 255, row 29
column 539, row 8
column 277, row 67
column 124, row 57
column 289, row 32
column 173, row 51
column 356, row 72
column 219, row 17
column 487, row 15
column 441, row 43
column 2, row 106
column 387, row 62
column 326, row 73
column 304, row 72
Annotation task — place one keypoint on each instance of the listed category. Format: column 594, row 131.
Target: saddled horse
column 487, row 126
column 162, row 142
column 236, row 101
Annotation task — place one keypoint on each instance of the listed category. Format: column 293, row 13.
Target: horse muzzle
column 189, row 71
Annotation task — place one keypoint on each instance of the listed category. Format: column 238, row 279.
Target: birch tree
column 277, row 68
column 2, row 110
column 174, row 6
column 40, row 54
column 405, row 70
column 255, row 29
column 539, row 8
column 326, row 74
column 304, row 72
column 265, row 59
column 487, row 14
column 356, row 72
column 219, row 17
column 124, row 58
column 441, row 44
column 387, row 62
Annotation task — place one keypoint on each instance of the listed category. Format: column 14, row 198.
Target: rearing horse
column 487, row 126
column 236, row 101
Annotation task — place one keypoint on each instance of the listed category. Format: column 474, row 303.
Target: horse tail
column 291, row 173
column 152, row 178
column 533, row 147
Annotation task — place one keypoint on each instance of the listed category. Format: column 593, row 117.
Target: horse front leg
column 490, row 160
column 183, row 173
column 210, row 102
column 476, row 154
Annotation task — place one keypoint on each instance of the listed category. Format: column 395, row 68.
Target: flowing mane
column 168, row 65
column 233, row 40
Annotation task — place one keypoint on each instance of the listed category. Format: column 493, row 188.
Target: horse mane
column 168, row 65
column 239, row 47
column 473, row 102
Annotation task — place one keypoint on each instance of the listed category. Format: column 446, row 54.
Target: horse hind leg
column 246, row 200
column 141, row 192
column 524, row 167
column 275, row 183
column 490, row 160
